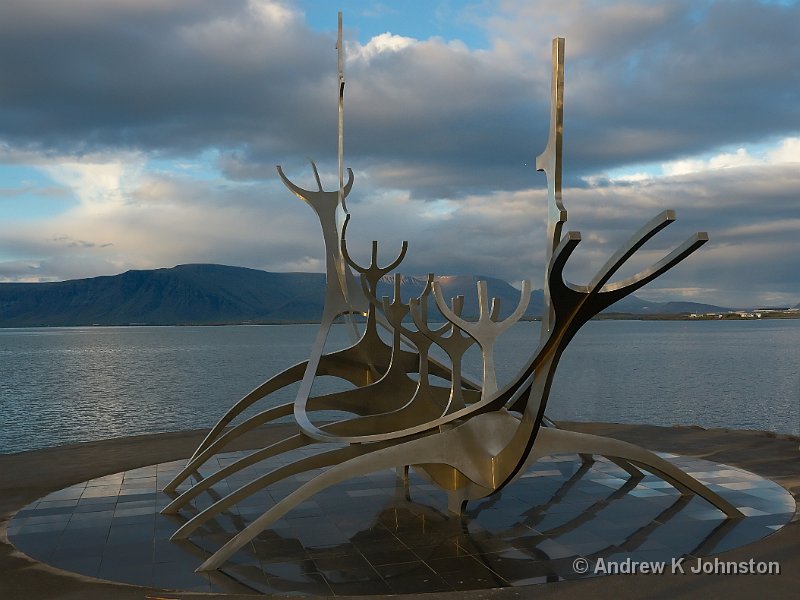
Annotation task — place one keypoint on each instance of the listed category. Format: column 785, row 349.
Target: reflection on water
column 66, row 385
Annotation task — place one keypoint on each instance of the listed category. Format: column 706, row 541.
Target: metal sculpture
column 469, row 439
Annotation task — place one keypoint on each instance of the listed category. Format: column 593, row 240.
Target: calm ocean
column 67, row 385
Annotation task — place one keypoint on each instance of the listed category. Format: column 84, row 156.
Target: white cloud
column 725, row 160
column 785, row 151
column 788, row 151
column 636, row 177
column 273, row 12
column 683, row 166
column 102, row 184
column 385, row 43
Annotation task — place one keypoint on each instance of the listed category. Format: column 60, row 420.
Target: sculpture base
column 376, row 535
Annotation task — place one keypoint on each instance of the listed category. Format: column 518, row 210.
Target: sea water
column 68, row 385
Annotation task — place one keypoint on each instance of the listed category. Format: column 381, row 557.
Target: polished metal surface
column 469, row 440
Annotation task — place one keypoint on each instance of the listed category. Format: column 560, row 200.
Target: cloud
column 786, row 152
column 99, row 184
column 169, row 219
column 174, row 77
column 380, row 44
column 644, row 82
column 442, row 137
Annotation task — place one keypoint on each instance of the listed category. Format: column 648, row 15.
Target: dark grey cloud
column 176, row 77
column 73, row 243
column 715, row 73
column 644, row 83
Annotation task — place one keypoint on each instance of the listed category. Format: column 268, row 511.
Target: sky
column 139, row 134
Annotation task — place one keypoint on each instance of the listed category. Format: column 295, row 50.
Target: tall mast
column 341, row 113
column 341, row 209
column 549, row 161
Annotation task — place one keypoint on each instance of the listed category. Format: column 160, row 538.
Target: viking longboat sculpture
column 470, row 443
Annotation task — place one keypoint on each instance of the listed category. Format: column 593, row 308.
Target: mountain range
column 205, row 294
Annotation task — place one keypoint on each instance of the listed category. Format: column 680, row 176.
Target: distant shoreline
column 211, row 295
column 777, row 315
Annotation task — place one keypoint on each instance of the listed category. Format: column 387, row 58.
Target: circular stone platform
column 374, row 535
